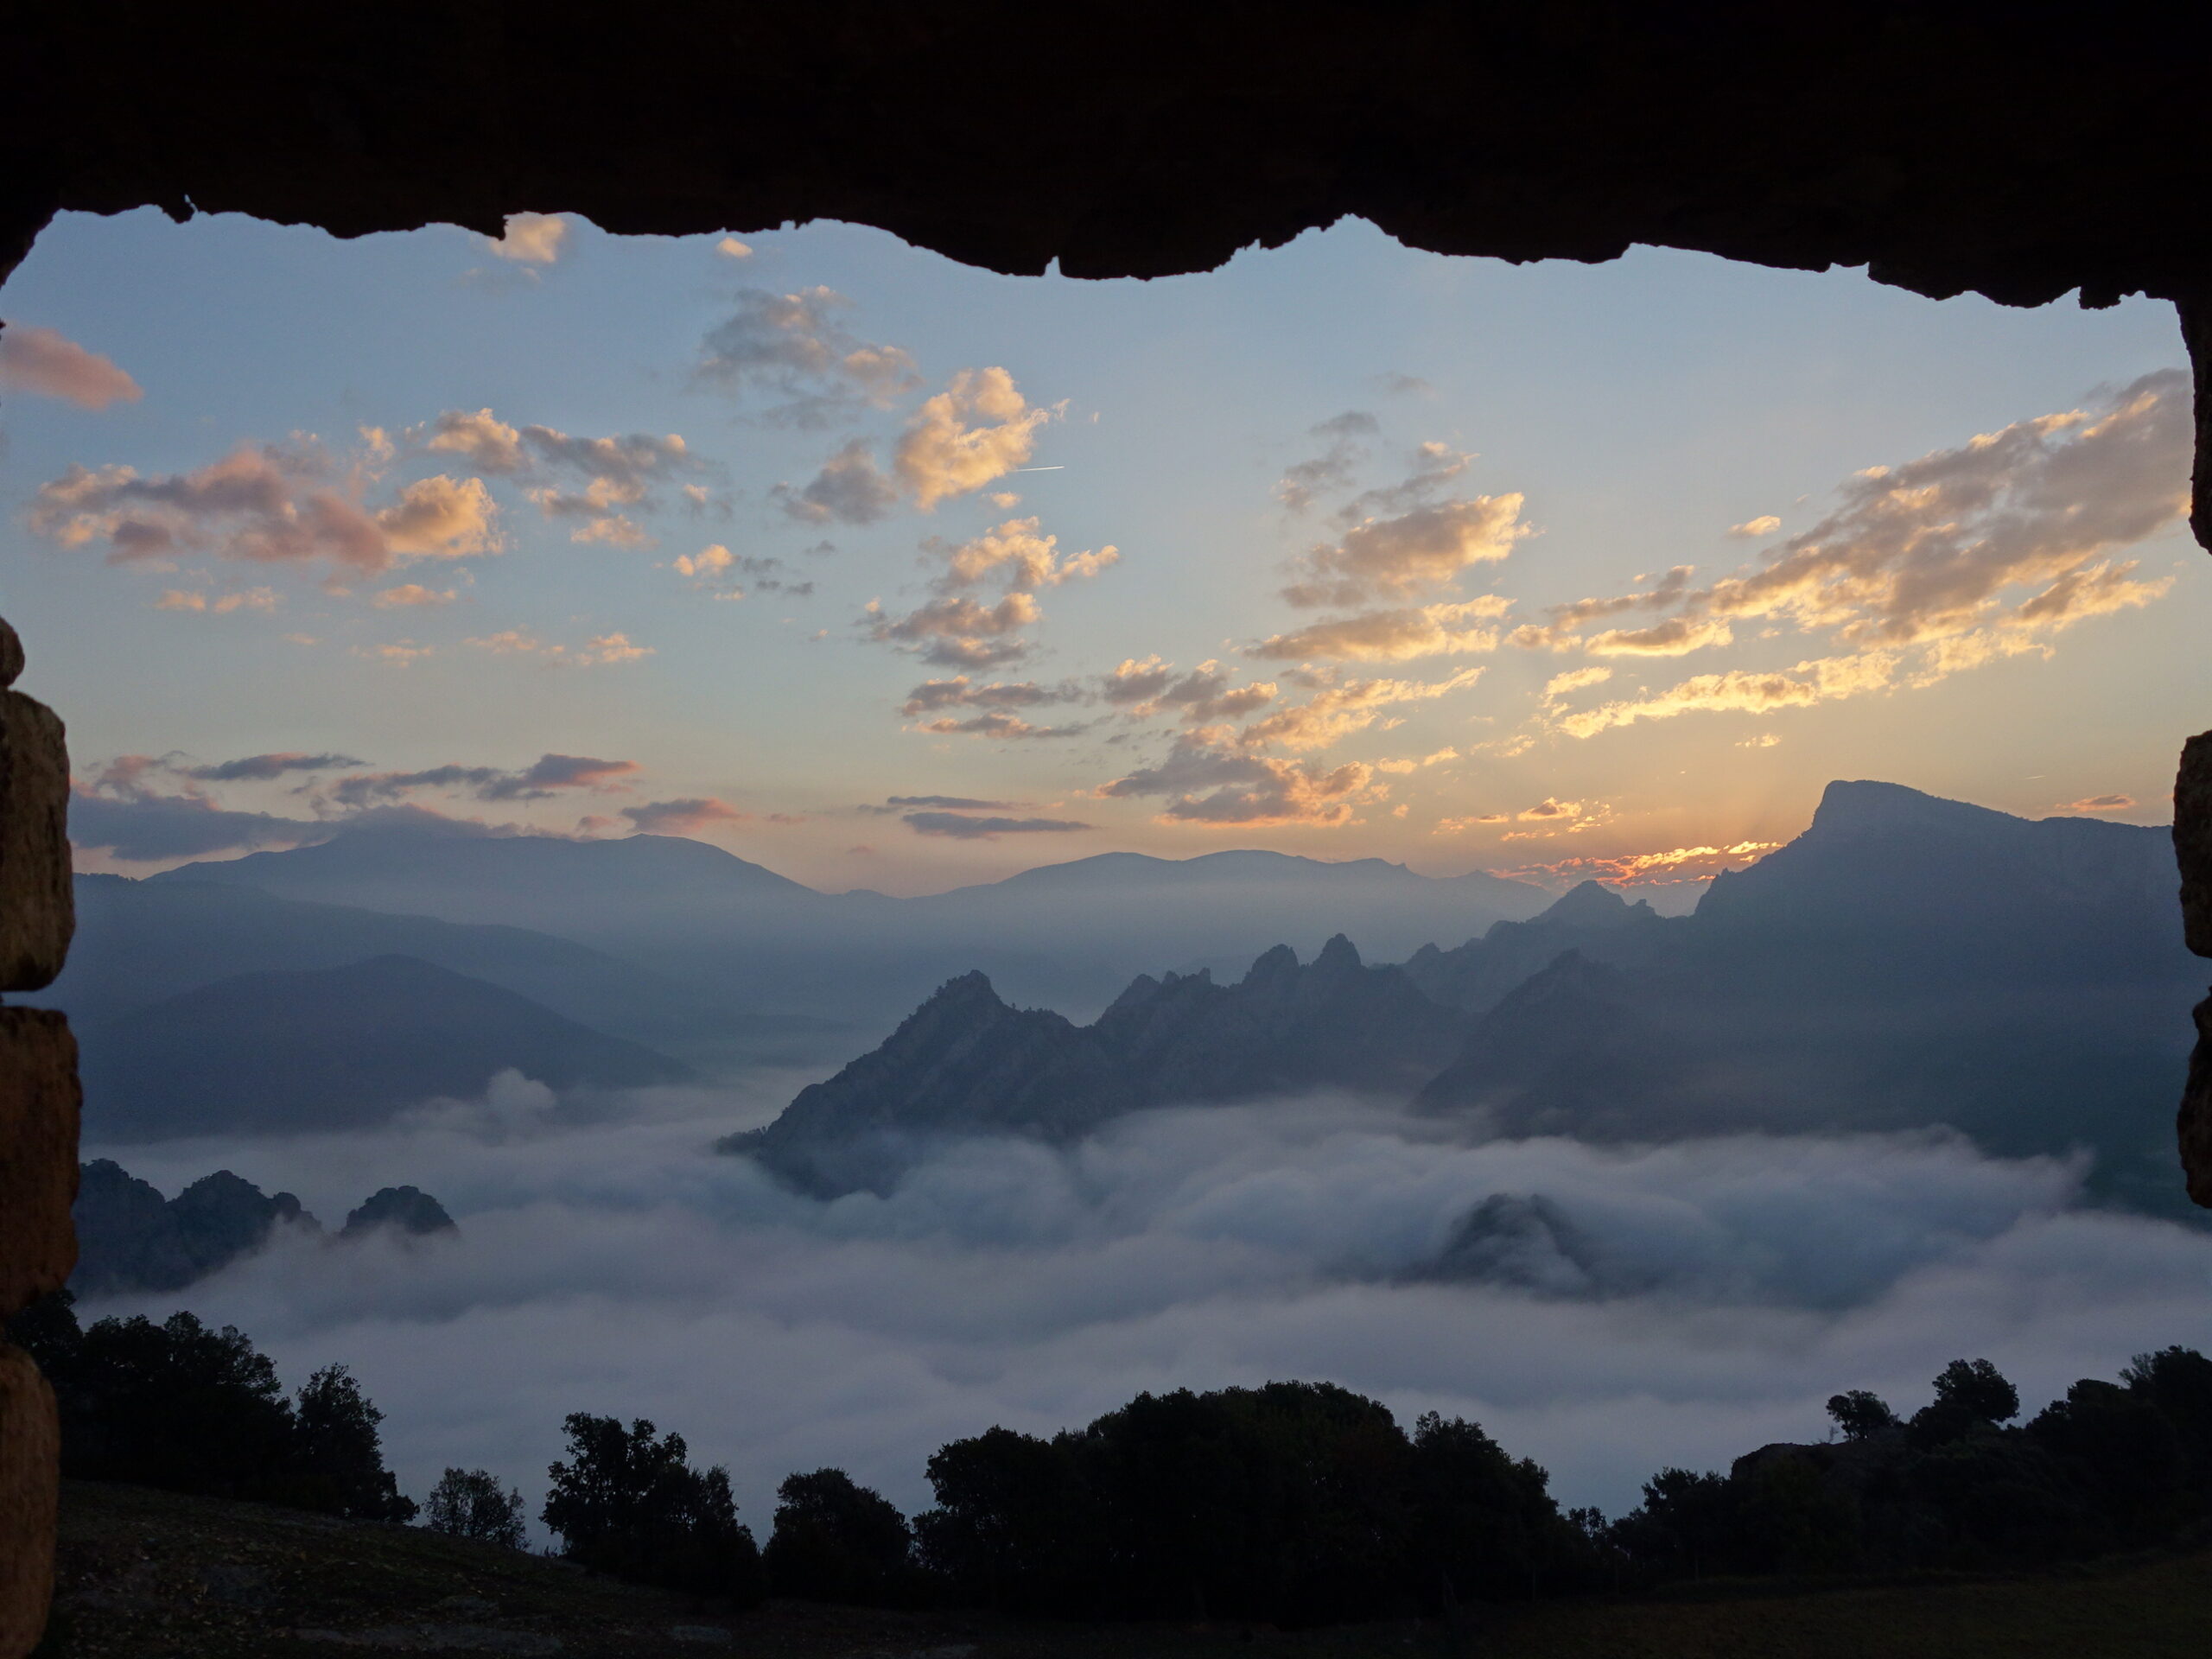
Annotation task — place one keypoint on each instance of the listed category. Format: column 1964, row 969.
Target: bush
column 470, row 1504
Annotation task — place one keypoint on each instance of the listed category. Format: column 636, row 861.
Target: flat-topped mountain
column 965, row 1063
column 330, row 1048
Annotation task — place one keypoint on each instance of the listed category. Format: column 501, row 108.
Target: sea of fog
column 608, row 1262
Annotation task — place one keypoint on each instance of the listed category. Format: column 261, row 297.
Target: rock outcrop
column 1591, row 918
column 408, row 1211
column 132, row 1238
column 964, row 1063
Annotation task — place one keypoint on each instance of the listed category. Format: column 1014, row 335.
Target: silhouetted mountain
column 334, row 1047
column 1591, row 918
column 138, row 942
column 964, row 1063
column 405, row 1210
column 1068, row 935
column 129, row 1237
column 1526, row 1244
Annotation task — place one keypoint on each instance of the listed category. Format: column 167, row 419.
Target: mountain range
column 130, row 1238
column 1071, row 934
column 1907, row 962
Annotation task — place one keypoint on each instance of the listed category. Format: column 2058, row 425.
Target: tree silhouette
column 838, row 1542
column 470, row 1504
column 337, row 1455
column 630, row 1505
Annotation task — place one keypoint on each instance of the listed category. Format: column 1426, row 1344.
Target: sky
column 1343, row 550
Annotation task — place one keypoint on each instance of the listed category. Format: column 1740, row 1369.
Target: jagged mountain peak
column 1590, row 904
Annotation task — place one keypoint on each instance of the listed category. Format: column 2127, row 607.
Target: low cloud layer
column 1722, row 1290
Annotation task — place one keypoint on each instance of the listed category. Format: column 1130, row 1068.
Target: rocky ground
column 149, row 1575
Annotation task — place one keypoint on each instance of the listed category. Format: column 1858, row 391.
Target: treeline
column 1293, row 1504
column 181, row 1406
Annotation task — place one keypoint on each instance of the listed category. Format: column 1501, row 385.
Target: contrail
column 1061, row 468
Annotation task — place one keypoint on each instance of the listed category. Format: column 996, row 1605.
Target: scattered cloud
column 1335, row 712
column 253, row 599
column 1396, row 557
column 1672, row 868
column 1397, row 635
column 599, row 651
column 412, row 596
column 961, row 692
column 960, row 827
column 941, row 454
column 542, row 780
column 948, row 803
column 1750, row 529
column 730, row 248
column 956, row 632
column 48, row 364
column 1018, row 554
column 684, row 818
column 1926, row 568
column 850, row 489
column 1334, row 467
column 531, row 238
column 795, row 345
column 268, row 504
column 260, row 768
column 1206, row 782
column 2100, row 804
column 1149, row 686
column 994, row 723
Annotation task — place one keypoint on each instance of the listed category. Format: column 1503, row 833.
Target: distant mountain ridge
column 1069, row 935
column 334, row 1048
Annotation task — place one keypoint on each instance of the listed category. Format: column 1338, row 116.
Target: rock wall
column 39, row 1102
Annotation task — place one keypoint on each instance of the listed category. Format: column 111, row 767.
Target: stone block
column 2195, row 1122
column 40, row 1099
column 36, row 913
column 30, row 1465
column 2192, row 841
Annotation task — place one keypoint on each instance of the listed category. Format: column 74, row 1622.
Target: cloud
column 1151, row 687
column 1746, row 691
column 941, row 456
column 1931, row 567
column 849, row 489
column 599, row 652
column 1565, row 630
column 1750, row 529
column 956, row 632
column 120, row 811
column 1397, row 557
column 1670, row 867
column 1676, row 637
column 259, row 768
column 251, row 599
column 1206, row 782
column 2100, row 804
column 1433, row 465
column 268, row 504
column 1019, row 554
column 614, row 472
column 531, row 238
column 997, row 724
column 967, row 828
column 412, row 596
column 949, row 802
column 1335, row 712
column 1548, row 808
column 48, row 364
column 1459, row 826
column 604, row 1265
column 1334, row 466
column 794, row 344
column 961, row 692
column 1577, row 679
column 539, row 781
column 1398, row 635
column 684, row 818
column 730, row 248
